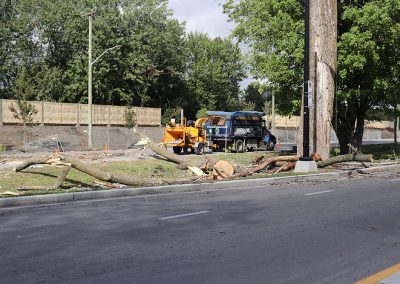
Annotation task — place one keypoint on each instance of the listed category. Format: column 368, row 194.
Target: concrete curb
column 181, row 188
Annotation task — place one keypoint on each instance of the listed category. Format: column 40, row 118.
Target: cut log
column 346, row 158
column 168, row 155
column 223, row 169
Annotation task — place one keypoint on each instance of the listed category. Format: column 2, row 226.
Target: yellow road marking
column 373, row 279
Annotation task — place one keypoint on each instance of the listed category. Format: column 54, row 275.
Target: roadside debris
column 209, row 171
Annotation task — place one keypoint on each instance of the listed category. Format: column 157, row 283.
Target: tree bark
column 32, row 161
column 323, row 56
column 345, row 158
column 395, row 126
column 265, row 164
column 102, row 175
column 60, row 179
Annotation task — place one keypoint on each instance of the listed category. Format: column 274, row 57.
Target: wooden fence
column 292, row 122
column 77, row 114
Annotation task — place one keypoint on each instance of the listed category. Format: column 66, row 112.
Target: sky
column 205, row 16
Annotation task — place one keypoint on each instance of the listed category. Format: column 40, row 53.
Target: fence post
column 109, row 115
column 42, row 116
column 1, row 112
column 78, row 114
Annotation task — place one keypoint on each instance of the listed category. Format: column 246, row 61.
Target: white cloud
column 203, row 16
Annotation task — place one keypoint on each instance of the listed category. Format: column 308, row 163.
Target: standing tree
column 214, row 71
column 367, row 41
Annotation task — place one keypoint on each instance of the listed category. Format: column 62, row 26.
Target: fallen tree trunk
column 345, row 158
column 32, row 161
column 60, row 179
column 102, row 175
column 265, row 164
column 170, row 156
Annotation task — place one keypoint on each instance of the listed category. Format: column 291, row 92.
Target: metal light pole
column 90, row 99
column 305, row 163
column 90, row 76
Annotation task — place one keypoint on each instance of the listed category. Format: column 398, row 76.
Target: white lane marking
column 319, row 192
column 397, row 179
column 183, row 215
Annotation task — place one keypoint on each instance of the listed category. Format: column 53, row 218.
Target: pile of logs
column 211, row 170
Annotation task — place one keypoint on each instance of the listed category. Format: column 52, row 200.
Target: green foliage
column 273, row 31
column 24, row 112
column 201, row 113
column 48, row 40
column 130, row 117
column 214, row 71
column 44, row 44
column 368, row 48
column 169, row 113
column 254, row 95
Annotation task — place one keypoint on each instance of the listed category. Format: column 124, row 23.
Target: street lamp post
column 305, row 163
column 90, row 99
column 90, row 81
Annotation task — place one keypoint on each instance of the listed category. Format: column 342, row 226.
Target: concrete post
column 42, row 116
column 78, row 114
column 109, row 116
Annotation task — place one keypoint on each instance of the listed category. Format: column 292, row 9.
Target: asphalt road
column 335, row 232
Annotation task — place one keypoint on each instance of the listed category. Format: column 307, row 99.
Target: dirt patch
column 71, row 138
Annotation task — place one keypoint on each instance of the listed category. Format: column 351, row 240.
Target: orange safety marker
column 106, row 148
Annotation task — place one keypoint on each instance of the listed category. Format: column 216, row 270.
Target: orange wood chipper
column 185, row 135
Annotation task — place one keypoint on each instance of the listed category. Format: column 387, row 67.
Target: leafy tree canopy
column 368, row 48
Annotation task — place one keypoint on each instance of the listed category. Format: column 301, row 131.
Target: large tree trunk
column 323, row 56
column 351, row 123
column 396, row 117
column 323, row 72
column 359, row 133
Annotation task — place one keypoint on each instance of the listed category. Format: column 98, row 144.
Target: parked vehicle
column 238, row 131
column 186, row 136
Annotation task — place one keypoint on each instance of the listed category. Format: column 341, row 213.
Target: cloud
column 203, row 16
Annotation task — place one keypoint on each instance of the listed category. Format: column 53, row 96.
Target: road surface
column 336, row 232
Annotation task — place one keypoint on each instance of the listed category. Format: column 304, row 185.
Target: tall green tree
column 368, row 38
column 214, row 71
column 48, row 39
column 255, row 95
